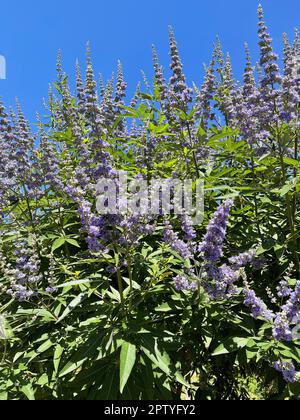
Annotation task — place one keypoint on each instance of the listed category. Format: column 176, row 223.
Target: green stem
column 255, row 198
column 130, row 281
column 120, row 286
column 130, row 273
column 289, row 211
column 194, row 154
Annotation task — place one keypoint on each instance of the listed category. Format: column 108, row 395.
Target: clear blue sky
column 32, row 31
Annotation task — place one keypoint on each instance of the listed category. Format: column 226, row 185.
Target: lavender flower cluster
column 286, row 318
column 217, row 279
column 288, row 371
column 212, row 245
column 23, row 274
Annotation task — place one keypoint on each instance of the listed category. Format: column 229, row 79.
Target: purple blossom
column 258, row 308
column 180, row 94
column 212, row 245
column 188, row 228
column 219, row 282
column 243, row 259
column 111, row 269
column 283, row 290
column 182, row 283
column 288, row 371
column 204, row 99
column 268, row 59
column 281, row 328
column 292, row 306
column 51, row 290
column 178, row 245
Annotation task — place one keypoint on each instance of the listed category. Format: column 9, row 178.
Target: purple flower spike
column 212, row 245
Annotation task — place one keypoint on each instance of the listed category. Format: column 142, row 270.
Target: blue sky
column 32, row 31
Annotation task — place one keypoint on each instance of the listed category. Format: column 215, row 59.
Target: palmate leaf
column 86, row 351
column 161, row 359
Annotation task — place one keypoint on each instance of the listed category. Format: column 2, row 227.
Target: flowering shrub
column 135, row 306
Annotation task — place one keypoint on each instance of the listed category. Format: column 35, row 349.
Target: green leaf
column 28, row 392
column 164, row 307
column 43, row 380
column 6, row 331
column 146, row 96
column 43, row 313
column 159, row 360
column 73, row 242
column 230, row 345
column 71, row 366
column 75, row 302
column 284, row 190
column 77, row 283
column 57, row 357
column 81, row 354
column 3, row 396
column 292, row 162
column 127, row 361
column 58, row 243
column 42, row 349
column 109, row 389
